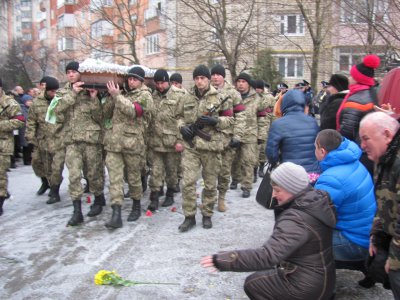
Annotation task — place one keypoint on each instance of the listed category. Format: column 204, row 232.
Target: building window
column 291, row 66
column 361, row 11
column 65, row 44
column 66, row 20
column 26, row 14
column 152, row 44
column 121, row 37
column 42, row 34
column 96, row 4
column 101, row 28
column 26, row 25
column 27, row 36
column 292, row 25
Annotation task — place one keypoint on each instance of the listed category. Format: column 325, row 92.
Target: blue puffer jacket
column 352, row 191
column 291, row 138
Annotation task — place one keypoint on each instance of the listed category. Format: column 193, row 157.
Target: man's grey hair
column 382, row 121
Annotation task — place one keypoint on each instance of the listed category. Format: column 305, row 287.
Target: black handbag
column 264, row 192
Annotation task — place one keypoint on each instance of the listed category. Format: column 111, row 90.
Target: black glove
column 234, row 143
column 259, row 142
column 208, row 120
column 187, row 132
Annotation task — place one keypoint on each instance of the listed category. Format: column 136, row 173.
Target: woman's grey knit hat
column 291, row 177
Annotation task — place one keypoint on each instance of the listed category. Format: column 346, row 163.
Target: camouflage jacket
column 269, row 103
column 10, row 118
column 39, row 132
column 127, row 117
column 164, row 133
column 80, row 115
column 255, row 118
column 192, row 107
column 387, row 189
column 238, row 129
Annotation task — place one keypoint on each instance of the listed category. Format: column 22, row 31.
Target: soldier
column 247, row 154
column 164, row 140
column 282, row 88
column 49, row 154
column 11, row 118
column 127, row 116
column 80, row 113
column 232, row 135
column 202, row 116
column 176, row 80
column 269, row 103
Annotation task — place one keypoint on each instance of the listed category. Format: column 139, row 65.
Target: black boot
column 116, row 221
column 27, row 155
column 97, row 206
column 255, row 174
column 233, row 185
column 187, row 224
column 43, row 188
column 154, row 198
column 261, row 170
column 246, row 193
column 207, row 224
column 55, row 194
column 136, row 211
column 77, row 217
column 169, row 198
column 1, row 204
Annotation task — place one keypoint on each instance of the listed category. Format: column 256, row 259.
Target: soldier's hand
column 208, row 120
column 187, row 132
column 179, row 147
column 113, row 88
column 234, row 143
column 77, row 87
column 93, row 93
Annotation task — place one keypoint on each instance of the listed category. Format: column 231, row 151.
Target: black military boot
column 136, row 211
column 116, row 221
column 187, row 224
column 255, row 169
column 169, row 198
column 261, row 170
column 154, row 198
column 234, row 184
column 207, row 224
column 77, row 217
column 246, row 193
column 44, row 187
column 54, row 195
column 1, row 204
column 97, row 206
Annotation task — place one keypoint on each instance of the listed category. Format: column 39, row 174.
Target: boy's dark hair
column 329, row 139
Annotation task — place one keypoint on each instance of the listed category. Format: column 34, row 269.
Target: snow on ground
column 41, row 258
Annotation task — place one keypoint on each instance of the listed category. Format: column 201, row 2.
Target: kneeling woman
column 296, row 262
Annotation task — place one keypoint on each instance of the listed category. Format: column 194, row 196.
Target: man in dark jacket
column 291, row 138
column 380, row 139
column 296, row 262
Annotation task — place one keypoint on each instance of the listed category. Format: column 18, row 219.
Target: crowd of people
column 224, row 134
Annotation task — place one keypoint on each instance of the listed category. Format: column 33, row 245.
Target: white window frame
column 101, row 28
column 153, row 44
column 64, row 44
column 349, row 11
column 296, row 62
column 284, row 25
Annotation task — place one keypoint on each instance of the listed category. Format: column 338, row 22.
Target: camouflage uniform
column 269, row 103
column 164, row 135
column 126, row 119
column 10, row 118
column 81, row 117
column 205, row 155
column 49, row 154
column 237, row 131
column 247, row 154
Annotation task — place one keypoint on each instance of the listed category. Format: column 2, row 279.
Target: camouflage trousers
column 49, row 165
column 4, row 165
column 209, row 163
column 261, row 153
column 164, row 166
column 243, row 165
column 116, row 162
column 77, row 155
column 224, row 176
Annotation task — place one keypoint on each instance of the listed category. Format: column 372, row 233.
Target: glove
column 259, row 142
column 187, row 132
column 208, row 120
column 234, row 143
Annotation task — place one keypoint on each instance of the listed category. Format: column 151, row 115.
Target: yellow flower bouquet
column 104, row 277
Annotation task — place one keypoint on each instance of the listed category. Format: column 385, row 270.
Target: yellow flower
column 101, row 277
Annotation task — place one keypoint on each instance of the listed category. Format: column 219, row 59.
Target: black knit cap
column 161, row 75
column 201, row 70
column 339, row 82
column 136, row 72
column 176, row 77
column 51, row 84
column 73, row 65
column 44, row 79
column 218, row 69
column 260, row 84
column 246, row 77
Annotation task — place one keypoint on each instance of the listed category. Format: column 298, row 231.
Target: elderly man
column 380, row 139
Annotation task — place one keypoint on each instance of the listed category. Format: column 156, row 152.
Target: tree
column 265, row 68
